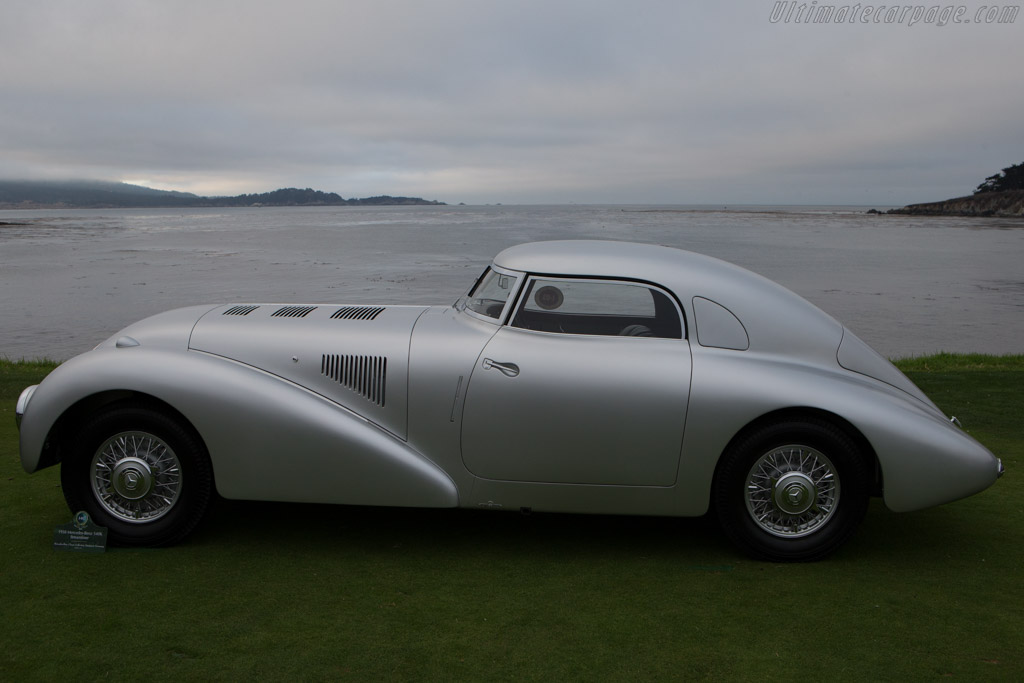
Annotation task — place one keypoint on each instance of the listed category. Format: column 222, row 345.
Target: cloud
column 514, row 102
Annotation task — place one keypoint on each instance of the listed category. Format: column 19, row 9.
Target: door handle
column 507, row 369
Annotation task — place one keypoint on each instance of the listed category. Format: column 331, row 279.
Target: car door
column 587, row 384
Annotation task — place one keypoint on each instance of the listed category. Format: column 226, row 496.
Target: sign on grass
column 80, row 535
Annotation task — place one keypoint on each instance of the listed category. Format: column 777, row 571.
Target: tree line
column 1011, row 178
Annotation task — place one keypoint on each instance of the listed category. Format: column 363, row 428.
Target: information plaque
column 80, row 535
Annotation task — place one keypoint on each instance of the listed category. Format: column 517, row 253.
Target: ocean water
column 906, row 285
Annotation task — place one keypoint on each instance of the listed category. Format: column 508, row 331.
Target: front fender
column 268, row 439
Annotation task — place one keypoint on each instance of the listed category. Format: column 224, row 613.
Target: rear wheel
column 792, row 491
column 140, row 473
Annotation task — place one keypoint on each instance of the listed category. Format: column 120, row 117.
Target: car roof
column 604, row 258
column 768, row 311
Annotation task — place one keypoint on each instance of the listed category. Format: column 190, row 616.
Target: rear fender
column 924, row 459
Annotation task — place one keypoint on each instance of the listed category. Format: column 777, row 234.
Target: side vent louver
column 365, row 375
column 240, row 310
column 357, row 313
column 293, row 312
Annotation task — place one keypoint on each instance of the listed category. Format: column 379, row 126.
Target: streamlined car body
column 574, row 376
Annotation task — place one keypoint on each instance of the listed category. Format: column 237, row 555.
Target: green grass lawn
column 275, row 591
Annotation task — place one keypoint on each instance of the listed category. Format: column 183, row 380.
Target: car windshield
column 490, row 294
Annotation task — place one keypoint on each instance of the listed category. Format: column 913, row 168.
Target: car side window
column 597, row 307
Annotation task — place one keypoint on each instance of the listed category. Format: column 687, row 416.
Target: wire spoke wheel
column 792, row 490
column 142, row 473
column 136, row 476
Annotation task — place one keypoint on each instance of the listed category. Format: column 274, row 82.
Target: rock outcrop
column 1001, row 204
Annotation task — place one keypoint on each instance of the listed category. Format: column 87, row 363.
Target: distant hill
column 85, row 193
column 25, row 194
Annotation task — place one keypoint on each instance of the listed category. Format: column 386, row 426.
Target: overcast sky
column 483, row 101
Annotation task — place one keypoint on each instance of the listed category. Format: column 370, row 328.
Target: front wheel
column 140, row 473
column 792, row 491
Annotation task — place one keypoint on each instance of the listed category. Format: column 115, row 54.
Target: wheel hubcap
column 132, row 479
column 792, row 491
column 136, row 476
column 795, row 493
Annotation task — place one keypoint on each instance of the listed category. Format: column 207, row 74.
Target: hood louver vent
column 240, row 310
column 357, row 313
column 293, row 312
column 365, row 375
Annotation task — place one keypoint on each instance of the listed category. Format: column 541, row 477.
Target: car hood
column 356, row 356
column 168, row 331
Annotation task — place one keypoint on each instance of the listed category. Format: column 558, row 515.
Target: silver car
column 574, row 376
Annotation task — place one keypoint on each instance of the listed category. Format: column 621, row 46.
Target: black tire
column 142, row 474
column 792, row 491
